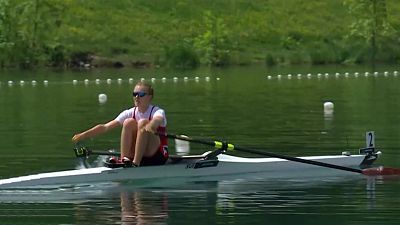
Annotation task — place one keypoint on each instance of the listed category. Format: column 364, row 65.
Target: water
column 240, row 105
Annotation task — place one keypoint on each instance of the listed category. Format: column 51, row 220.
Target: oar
column 82, row 151
column 227, row 146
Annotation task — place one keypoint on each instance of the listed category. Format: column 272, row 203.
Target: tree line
column 186, row 34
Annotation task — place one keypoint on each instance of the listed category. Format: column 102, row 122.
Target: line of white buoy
column 336, row 75
column 152, row 80
column 23, row 83
column 109, row 81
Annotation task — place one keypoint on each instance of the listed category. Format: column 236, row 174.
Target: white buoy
column 46, row 82
column 386, row 73
column 97, row 81
column 142, row 79
column 109, row 81
column 10, row 83
column 328, row 109
column 153, row 80
column 33, row 82
column 185, row 79
column 102, row 98
column 279, row 76
column 395, row 73
column 309, row 75
column 269, row 77
column 299, row 76
column 21, row 83
column 328, row 106
column 218, row 78
column 196, row 79
column 319, row 75
column 289, row 76
column 119, row 80
column 337, row 75
column 163, row 79
column 207, row 79
column 376, row 74
column 326, row 75
column 86, row 81
column 131, row 80
column 74, row 82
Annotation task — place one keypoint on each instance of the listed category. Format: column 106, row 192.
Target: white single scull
column 211, row 166
column 192, row 168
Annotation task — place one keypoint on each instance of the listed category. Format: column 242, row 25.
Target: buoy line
column 336, row 75
column 108, row 81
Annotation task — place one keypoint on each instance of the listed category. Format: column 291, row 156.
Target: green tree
column 6, row 40
column 28, row 30
column 213, row 45
column 370, row 22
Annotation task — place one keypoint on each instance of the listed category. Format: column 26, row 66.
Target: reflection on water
column 334, row 200
column 135, row 210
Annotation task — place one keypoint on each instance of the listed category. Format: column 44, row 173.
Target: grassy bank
column 178, row 33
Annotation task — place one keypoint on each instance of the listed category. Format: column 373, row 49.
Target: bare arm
column 96, row 130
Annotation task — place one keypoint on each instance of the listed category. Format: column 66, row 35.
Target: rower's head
column 142, row 94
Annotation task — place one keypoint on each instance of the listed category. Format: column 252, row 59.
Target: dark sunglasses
column 139, row 94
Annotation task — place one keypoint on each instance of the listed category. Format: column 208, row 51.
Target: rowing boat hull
column 225, row 167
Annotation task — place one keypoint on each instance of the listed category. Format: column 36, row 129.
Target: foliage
column 213, row 45
column 180, row 33
column 181, row 56
column 370, row 18
column 370, row 23
column 26, row 29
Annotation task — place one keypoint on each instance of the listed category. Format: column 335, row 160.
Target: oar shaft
column 81, row 151
column 104, row 153
column 300, row 160
column 269, row 154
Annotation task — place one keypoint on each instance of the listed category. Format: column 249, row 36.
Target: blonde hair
column 149, row 87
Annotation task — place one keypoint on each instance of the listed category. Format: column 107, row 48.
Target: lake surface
column 256, row 107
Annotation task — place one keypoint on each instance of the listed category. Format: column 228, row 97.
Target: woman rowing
column 143, row 126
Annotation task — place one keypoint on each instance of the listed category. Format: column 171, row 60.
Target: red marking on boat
column 381, row 171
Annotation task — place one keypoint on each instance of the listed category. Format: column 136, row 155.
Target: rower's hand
column 76, row 138
column 153, row 125
column 149, row 128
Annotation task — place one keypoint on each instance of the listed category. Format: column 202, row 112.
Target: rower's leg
column 147, row 143
column 128, row 138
